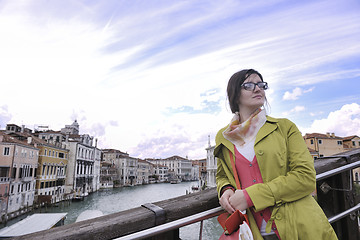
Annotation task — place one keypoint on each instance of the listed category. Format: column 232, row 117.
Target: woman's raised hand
column 238, row 200
column 224, row 201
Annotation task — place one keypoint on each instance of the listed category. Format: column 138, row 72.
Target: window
column 6, row 151
column 311, row 141
column 320, row 141
column 353, row 143
column 14, row 173
column 339, row 142
column 4, row 171
column 45, row 152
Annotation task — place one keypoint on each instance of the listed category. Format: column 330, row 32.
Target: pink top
column 249, row 174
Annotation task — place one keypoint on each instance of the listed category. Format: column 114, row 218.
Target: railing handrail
column 174, row 224
column 338, row 170
column 217, row 211
column 150, row 232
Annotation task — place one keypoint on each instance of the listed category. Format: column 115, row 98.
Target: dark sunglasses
column 250, row 86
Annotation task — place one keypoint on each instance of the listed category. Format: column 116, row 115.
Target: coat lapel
column 269, row 126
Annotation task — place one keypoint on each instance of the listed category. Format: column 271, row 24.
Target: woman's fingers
column 224, row 201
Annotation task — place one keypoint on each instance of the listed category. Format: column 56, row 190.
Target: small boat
column 34, row 223
column 174, row 181
column 195, row 188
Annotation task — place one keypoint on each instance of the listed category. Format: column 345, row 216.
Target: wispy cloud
column 134, row 71
column 294, row 110
column 296, row 93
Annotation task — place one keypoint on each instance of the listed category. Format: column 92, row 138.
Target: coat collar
column 269, row 126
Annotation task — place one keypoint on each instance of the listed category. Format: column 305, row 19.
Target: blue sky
column 149, row 77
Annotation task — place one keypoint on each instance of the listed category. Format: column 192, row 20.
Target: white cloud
column 296, row 93
column 294, row 110
column 343, row 122
column 118, row 67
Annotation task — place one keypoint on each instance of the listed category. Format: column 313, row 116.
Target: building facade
column 143, row 171
column 325, row 144
column 211, row 166
column 20, row 160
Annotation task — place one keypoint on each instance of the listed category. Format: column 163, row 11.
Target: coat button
column 254, row 181
column 250, row 165
column 278, row 216
column 260, row 152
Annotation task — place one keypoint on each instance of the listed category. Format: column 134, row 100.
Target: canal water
column 119, row 199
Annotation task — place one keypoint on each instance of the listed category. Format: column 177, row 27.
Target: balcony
column 4, row 179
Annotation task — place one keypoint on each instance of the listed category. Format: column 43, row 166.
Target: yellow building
column 324, row 144
column 51, row 174
column 351, row 142
column 52, row 166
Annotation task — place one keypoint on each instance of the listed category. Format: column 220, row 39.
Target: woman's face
column 251, row 99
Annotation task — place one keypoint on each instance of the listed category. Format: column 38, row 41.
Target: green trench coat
column 288, row 173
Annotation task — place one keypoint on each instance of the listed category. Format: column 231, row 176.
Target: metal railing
column 200, row 217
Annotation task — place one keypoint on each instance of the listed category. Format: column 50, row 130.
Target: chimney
column 96, row 142
column 333, row 135
column 22, row 128
column 328, row 134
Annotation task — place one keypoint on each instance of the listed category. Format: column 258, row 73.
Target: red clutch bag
column 230, row 223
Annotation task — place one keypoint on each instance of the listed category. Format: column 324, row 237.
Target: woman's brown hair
column 234, row 87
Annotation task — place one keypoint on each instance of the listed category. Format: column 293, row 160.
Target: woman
column 275, row 168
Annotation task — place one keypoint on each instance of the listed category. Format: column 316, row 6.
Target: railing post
column 335, row 195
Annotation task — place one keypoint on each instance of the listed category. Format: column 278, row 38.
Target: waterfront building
column 143, row 171
column 19, row 161
column 118, row 159
column 97, row 161
column 80, row 174
column 211, row 166
column 52, row 166
column 199, row 168
column 161, row 173
column 181, row 167
column 195, row 171
column 83, row 173
column 108, row 173
column 129, row 171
